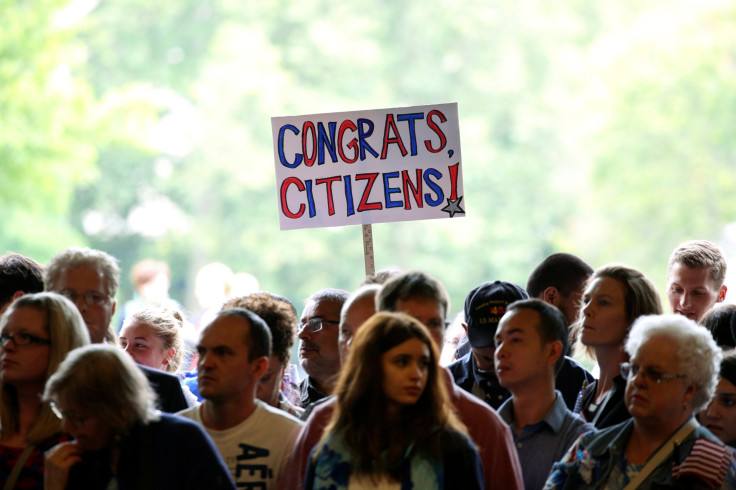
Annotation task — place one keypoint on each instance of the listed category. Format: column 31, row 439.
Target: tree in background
column 585, row 127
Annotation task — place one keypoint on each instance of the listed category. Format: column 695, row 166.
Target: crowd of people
column 162, row 399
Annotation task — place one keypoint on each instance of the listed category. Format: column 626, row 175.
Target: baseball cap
column 484, row 307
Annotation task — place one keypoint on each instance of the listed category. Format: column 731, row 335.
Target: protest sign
column 364, row 167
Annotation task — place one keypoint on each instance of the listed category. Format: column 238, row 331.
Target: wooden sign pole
column 370, row 263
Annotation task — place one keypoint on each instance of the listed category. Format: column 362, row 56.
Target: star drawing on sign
column 453, row 206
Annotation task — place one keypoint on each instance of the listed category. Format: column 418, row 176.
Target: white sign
column 362, row 167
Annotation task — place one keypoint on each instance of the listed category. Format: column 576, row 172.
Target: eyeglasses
column 76, row 420
column 630, row 371
column 92, row 298
column 22, row 339
column 315, row 324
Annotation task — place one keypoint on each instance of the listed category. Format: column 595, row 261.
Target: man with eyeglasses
column 90, row 278
column 319, row 355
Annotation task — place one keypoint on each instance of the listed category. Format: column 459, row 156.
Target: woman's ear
column 169, row 356
column 689, row 394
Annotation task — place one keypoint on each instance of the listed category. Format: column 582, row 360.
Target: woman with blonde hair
column 120, row 440
column 152, row 337
column 36, row 333
column 615, row 296
column 393, row 424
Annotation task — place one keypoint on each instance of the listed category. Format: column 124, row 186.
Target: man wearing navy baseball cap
column 484, row 307
column 474, row 372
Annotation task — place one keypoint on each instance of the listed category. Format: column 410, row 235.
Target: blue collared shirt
column 485, row 385
column 541, row 444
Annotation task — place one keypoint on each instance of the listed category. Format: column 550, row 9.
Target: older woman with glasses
column 671, row 375
column 36, row 333
column 120, row 440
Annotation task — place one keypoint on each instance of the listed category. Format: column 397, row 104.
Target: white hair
column 698, row 356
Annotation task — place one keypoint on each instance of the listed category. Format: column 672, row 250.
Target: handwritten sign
column 362, row 167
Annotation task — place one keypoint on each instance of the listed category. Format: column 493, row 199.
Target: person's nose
column 713, row 411
column 501, row 351
column 587, row 310
column 638, row 379
column 416, row 373
column 9, row 346
column 685, row 299
column 203, row 361
column 304, row 334
column 80, row 303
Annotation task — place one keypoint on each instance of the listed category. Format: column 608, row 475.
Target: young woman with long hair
column 393, row 423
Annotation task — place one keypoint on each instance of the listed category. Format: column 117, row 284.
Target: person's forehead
column 27, row 318
column 363, row 306
column 83, row 276
column 414, row 303
column 522, row 318
column 228, row 330
column 679, row 272
column 136, row 328
column 322, row 308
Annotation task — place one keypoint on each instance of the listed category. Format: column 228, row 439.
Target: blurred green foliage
column 143, row 128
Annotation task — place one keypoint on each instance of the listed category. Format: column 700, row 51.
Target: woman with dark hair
column 615, row 296
column 36, row 333
column 721, row 321
column 393, row 424
column 120, row 440
column 720, row 415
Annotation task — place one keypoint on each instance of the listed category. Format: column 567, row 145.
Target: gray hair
column 74, row 257
column 106, row 381
column 698, row 356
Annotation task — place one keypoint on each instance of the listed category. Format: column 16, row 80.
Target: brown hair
column 361, row 400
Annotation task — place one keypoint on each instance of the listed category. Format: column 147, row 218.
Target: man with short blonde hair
column 695, row 276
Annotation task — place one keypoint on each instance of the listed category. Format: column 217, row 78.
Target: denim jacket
column 591, row 459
